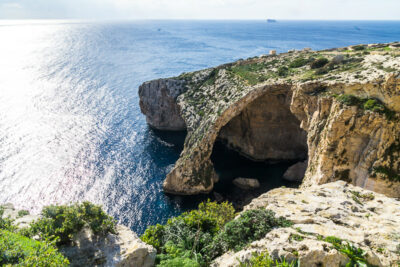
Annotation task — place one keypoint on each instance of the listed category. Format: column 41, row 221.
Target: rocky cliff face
column 88, row 249
column 339, row 107
column 367, row 220
column 158, row 102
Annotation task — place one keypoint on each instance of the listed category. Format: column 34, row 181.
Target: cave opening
column 262, row 143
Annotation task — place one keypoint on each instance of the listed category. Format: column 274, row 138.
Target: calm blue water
column 70, row 124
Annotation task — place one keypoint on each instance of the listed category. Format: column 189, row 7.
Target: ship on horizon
column 271, row 20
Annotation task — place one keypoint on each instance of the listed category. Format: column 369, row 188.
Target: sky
column 201, row 9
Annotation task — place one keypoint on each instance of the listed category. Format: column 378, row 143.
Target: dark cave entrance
column 262, row 142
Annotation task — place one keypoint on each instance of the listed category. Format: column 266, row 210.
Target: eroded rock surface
column 296, row 172
column 123, row 250
column 266, row 130
column 158, row 103
column 368, row 220
column 265, row 107
column 246, row 183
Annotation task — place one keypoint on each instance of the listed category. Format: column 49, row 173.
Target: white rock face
column 19, row 221
column 246, row 183
column 296, row 172
column 124, row 249
column 368, row 220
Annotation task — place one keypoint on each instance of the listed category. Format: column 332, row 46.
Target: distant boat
column 271, row 20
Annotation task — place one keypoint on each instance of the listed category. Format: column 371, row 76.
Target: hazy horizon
column 385, row 10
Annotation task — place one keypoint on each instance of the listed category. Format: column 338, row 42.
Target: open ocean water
column 70, row 123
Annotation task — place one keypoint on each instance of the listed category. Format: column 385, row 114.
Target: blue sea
column 70, row 123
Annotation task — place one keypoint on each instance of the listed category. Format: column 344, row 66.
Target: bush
column 319, row 63
column 349, row 100
column 62, row 222
column 264, row 260
column 298, row 62
column 190, row 236
column 178, row 257
column 358, row 48
column 22, row 213
column 250, row 226
column 374, row 105
column 5, row 223
column 283, row 71
column 19, row 250
column 321, row 71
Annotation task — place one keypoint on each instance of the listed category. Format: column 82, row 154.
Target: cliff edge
column 338, row 108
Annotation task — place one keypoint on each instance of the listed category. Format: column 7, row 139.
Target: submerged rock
column 246, row 183
column 367, row 220
column 295, row 173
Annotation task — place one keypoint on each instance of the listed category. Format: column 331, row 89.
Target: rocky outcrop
column 158, row 103
column 246, row 183
column 367, row 220
column 123, row 249
column 281, row 108
column 296, row 172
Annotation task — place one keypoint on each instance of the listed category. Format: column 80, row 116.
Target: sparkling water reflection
column 70, row 125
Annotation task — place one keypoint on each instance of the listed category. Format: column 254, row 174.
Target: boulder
column 337, row 59
column 246, row 183
column 296, row 172
column 124, row 249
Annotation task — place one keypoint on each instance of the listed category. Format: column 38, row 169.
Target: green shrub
column 298, row 62
column 264, row 260
column 22, row 251
column 5, row 223
column 358, row 48
column 319, row 63
column 190, row 236
column 62, row 222
column 177, row 257
column 374, row 105
column 250, row 226
column 283, row 71
column 321, row 71
column 349, row 100
column 368, row 104
column 22, row 213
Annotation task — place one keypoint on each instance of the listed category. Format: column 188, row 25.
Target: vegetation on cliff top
column 196, row 238
column 60, row 223
column 57, row 226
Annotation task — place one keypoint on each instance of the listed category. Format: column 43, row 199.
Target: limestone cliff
column 367, row 220
column 339, row 108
